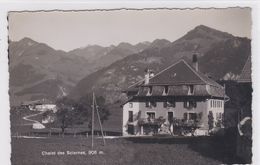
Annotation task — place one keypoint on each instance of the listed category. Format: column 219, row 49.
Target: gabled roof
column 181, row 73
column 183, row 90
column 245, row 76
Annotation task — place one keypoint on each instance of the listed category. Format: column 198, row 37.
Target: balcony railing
column 186, row 123
column 174, row 122
column 151, row 121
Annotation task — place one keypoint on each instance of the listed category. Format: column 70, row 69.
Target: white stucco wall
column 178, row 111
column 216, row 109
column 126, row 109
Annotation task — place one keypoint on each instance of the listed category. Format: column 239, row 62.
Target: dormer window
column 166, row 89
column 150, row 90
column 191, row 90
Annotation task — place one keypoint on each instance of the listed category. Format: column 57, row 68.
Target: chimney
column 195, row 62
column 146, row 76
column 151, row 74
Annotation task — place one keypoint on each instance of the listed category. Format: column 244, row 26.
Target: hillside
column 215, row 48
column 108, row 70
column 35, row 66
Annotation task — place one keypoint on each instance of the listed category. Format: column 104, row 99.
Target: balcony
column 151, row 121
column 185, row 123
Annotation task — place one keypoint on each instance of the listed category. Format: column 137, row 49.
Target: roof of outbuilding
column 246, row 72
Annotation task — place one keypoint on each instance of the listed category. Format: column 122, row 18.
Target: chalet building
column 179, row 92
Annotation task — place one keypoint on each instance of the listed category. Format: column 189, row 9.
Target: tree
column 210, row 120
column 87, row 101
column 65, row 113
column 71, row 112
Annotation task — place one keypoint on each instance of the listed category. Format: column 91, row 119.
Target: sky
column 73, row 29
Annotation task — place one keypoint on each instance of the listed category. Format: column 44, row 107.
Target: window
column 192, row 116
column 165, row 104
column 150, row 90
column 194, row 104
column 147, row 104
column 131, row 129
column 130, row 105
column 150, row 115
column 218, row 116
column 170, row 117
column 153, row 103
column 185, row 116
column 190, row 104
column 130, row 116
column 169, row 103
column 211, row 104
column 166, row 89
column 191, row 90
column 150, row 104
column 186, row 104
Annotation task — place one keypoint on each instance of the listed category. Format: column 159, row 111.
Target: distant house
column 178, row 92
column 39, row 105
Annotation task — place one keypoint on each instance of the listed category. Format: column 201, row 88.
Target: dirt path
column 27, row 118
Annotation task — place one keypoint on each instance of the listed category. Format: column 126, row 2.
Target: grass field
column 21, row 126
column 118, row 151
column 124, row 151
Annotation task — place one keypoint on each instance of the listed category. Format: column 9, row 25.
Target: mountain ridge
column 110, row 80
column 34, row 65
column 108, row 70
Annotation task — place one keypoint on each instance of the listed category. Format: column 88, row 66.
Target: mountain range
column 220, row 54
column 39, row 71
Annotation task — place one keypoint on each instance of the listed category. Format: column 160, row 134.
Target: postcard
column 130, row 84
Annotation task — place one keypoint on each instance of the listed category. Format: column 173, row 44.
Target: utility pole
column 99, row 121
column 95, row 106
column 92, row 124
